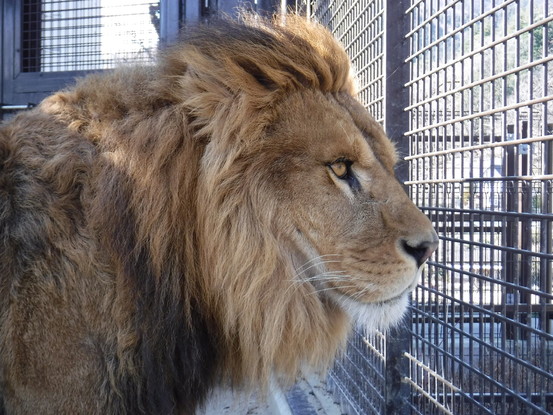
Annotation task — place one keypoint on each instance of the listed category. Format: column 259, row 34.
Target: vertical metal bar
column 525, row 225
column 2, row 55
column 170, row 20
column 192, row 11
column 396, row 122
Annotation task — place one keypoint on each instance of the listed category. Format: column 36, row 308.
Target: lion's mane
column 138, row 254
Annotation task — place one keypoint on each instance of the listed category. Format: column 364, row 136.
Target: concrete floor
column 226, row 402
column 309, row 396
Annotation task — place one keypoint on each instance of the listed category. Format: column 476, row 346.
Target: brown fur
column 166, row 228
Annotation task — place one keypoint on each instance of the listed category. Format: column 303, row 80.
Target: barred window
column 68, row 35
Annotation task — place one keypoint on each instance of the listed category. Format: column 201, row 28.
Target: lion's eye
column 340, row 169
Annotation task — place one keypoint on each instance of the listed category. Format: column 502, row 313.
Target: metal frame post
column 396, row 123
column 170, row 21
column 1, row 56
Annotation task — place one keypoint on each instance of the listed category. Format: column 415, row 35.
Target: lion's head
column 228, row 212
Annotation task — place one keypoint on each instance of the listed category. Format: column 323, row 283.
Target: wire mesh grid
column 358, row 379
column 481, row 168
column 67, row 35
column 359, row 26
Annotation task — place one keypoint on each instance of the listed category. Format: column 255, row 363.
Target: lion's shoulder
column 43, row 171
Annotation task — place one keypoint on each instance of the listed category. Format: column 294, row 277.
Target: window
column 45, row 44
column 66, row 35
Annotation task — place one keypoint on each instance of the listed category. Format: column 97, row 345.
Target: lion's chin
column 373, row 316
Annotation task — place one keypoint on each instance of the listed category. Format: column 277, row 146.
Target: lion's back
column 43, row 171
column 44, row 252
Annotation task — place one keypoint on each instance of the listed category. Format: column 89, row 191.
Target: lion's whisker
column 332, row 288
column 361, row 293
column 315, row 261
column 323, row 277
column 298, row 274
column 327, row 276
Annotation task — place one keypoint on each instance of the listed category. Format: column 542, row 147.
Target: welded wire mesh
column 481, row 167
column 359, row 26
column 68, row 35
column 358, row 379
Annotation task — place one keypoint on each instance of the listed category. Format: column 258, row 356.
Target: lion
column 222, row 217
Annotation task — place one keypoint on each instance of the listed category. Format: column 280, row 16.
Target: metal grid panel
column 359, row 26
column 67, row 35
column 481, row 167
column 358, row 379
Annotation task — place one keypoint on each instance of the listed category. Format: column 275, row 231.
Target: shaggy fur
column 167, row 228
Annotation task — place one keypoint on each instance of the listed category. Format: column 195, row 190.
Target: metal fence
column 479, row 145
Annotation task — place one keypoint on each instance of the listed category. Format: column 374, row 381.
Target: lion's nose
column 421, row 251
